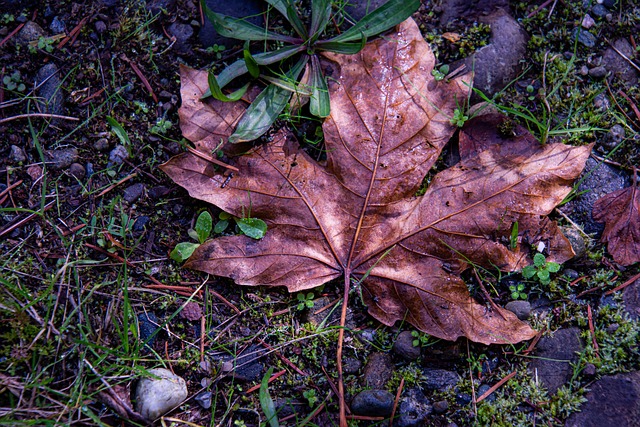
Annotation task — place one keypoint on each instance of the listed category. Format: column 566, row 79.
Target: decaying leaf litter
column 355, row 217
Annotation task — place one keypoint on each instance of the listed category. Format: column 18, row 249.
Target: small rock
column 403, row 346
column 522, row 309
column 589, row 370
column 204, row 399
column 246, row 366
column 117, row 156
column 156, row 7
column 458, row 10
column 16, row 155
column 77, row 171
column 577, row 241
column 182, row 33
column 57, row 25
column 249, row 9
column 440, row 407
column 588, row 22
column 374, row 403
column 157, row 396
column 584, row 70
column 289, row 407
column 34, row 172
column 100, row 26
column 351, row 365
column 29, row 32
column 49, row 90
column 413, row 410
column 159, row 191
column 148, row 324
column 631, row 297
column 140, row 223
column 463, row 399
column 191, row 311
column 570, row 273
column 554, row 356
column 601, row 102
column 618, row 66
column 598, row 72
column 599, row 11
column 439, row 379
column 378, row 370
column 61, row 158
column 610, row 4
column 101, row 144
column 585, row 38
column 613, row 401
column 133, row 192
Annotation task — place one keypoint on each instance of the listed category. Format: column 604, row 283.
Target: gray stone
column 599, row 179
column 357, row 9
column 351, row 365
column 182, row 33
column 619, row 68
column 16, row 154
column 250, row 9
column 631, row 297
column 554, row 356
column 29, row 33
column 498, row 63
column 159, row 191
column 100, row 26
column 117, row 156
column 403, row 346
column 49, row 90
column 378, row 370
column 613, row 401
column 614, row 137
column 577, row 241
column 101, row 144
column 413, row 410
column 469, row 10
column 589, row 370
column 148, row 324
column 610, row 4
column 598, row 72
column 585, row 38
column 440, row 407
column 246, row 366
column 77, row 171
column 601, row 102
column 57, row 25
column 483, row 389
column 373, row 403
column 587, row 22
column 133, row 192
column 204, row 399
column 61, row 158
column 157, row 396
column 599, row 11
column 439, row 379
column 522, row 309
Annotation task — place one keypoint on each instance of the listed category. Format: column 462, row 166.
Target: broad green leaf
column 320, row 14
column 252, row 227
column 386, row 16
column 240, row 29
column 119, row 131
column 342, row 47
column 319, row 104
column 553, row 267
column 224, row 215
column 528, row 272
column 182, row 251
column 268, row 407
column 280, row 5
column 539, row 260
column 265, row 109
column 250, row 62
column 203, row 226
column 296, row 23
column 221, row 226
column 543, row 275
column 290, row 85
column 216, row 92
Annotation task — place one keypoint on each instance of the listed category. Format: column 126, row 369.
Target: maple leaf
column 357, row 215
column 620, row 211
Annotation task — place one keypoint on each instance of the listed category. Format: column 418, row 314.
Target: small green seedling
column 13, row 82
column 217, row 50
column 440, row 73
column 201, row 233
column 304, row 301
column 251, row 227
column 517, row 291
column 311, row 397
column 459, row 118
column 540, row 269
column 43, row 43
column 161, row 127
column 420, row 339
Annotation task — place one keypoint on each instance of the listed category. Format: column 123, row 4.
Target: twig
column 495, row 387
column 25, row 220
column 139, row 73
column 211, row 159
column 286, row 361
column 631, row 103
column 45, row 115
column 592, row 330
column 624, row 285
column 486, row 294
column 395, row 402
column 225, row 301
column 11, row 34
column 112, row 186
column 9, row 188
column 73, row 33
column 109, row 254
column 273, row 378
column 543, row 5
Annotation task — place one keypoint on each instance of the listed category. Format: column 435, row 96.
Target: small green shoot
column 202, row 230
column 217, row 50
column 459, row 118
column 540, row 269
column 251, row 227
column 14, row 82
column 311, row 397
column 304, row 301
column 119, row 131
column 513, row 241
column 421, row 339
column 161, row 127
column 440, row 73
column 268, row 407
column 517, row 291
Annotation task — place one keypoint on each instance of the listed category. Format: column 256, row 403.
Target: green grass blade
column 266, row 402
column 119, row 131
column 250, row 62
column 291, row 86
column 319, row 103
column 320, row 14
column 386, row 16
column 265, row 109
column 280, row 5
column 216, row 92
column 342, row 47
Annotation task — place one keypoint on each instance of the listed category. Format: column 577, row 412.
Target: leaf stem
column 343, row 319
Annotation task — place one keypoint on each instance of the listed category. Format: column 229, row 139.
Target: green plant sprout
column 304, row 44
column 13, row 82
column 440, row 73
column 459, row 118
column 420, row 339
column 311, row 397
column 304, row 301
column 251, row 227
column 43, row 43
column 161, row 127
column 540, row 269
column 216, row 49
column 200, row 233
column 517, row 291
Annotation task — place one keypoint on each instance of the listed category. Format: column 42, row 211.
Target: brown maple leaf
column 620, row 211
column 355, row 216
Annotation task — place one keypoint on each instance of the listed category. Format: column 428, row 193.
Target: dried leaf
column 357, row 213
column 620, row 211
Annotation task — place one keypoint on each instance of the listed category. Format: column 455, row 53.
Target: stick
column 45, row 115
column 495, row 387
column 395, row 403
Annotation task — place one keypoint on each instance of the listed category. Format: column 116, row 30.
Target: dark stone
column 598, row 72
column 100, row 26
column 497, row 64
column 483, row 389
column 614, row 137
column 631, row 296
column 148, row 324
column 61, row 158
column 133, row 192
column 247, row 366
column 157, row 7
column 440, row 407
column 204, row 399
column 117, row 156
column 469, row 10
column 57, row 25
column 378, row 370
column 159, row 191
column 570, row 273
column 373, row 403
column 619, row 68
column 589, row 370
column 351, row 365
column 28, row 33
column 610, row 4
column 522, row 309
column 599, row 11
column 357, row 9
column 577, row 241
column 101, row 144
column 613, row 401
column 439, row 379
column 182, row 33
column 16, row 155
column 77, row 171
column 413, row 410
column 601, row 102
column 403, row 346
column 463, row 399
column 140, row 223
column 554, row 356
column 288, row 407
column 251, row 9
column 599, row 179
column 585, row 38
column 49, row 90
